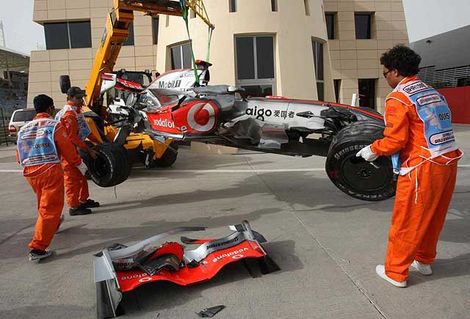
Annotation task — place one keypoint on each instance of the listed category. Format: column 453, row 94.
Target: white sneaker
column 424, row 269
column 380, row 270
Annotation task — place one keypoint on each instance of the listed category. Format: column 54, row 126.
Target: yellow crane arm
column 116, row 32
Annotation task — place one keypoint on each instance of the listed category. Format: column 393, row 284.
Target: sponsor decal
column 169, row 84
column 192, row 120
column 164, row 123
column 347, row 150
column 261, row 113
column 133, row 276
column 231, row 254
column 145, row 279
column 442, row 138
column 415, row 87
column 428, row 99
column 238, row 256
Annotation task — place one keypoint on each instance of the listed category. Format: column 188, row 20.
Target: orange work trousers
column 76, row 186
column 422, row 199
column 49, row 189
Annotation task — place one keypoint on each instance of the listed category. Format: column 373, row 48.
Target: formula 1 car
column 174, row 107
column 120, row 269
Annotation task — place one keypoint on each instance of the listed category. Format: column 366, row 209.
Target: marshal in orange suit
column 420, row 139
column 76, row 184
column 40, row 145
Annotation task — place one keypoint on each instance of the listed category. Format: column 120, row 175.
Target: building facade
column 308, row 49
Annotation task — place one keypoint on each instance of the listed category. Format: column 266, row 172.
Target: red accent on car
column 12, row 129
column 207, row 268
column 201, row 117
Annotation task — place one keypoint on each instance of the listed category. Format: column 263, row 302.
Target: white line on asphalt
column 275, row 170
column 243, row 170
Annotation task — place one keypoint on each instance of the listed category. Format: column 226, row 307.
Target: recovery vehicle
column 114, row 143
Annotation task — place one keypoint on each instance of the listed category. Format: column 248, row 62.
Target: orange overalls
column 423, row 195
column 47, row 181
column 76, row 184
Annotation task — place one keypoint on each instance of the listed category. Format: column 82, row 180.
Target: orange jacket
column 69, row 120
column 404, row 131
column 64, row 148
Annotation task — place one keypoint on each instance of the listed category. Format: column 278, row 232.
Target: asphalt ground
column 326, row 243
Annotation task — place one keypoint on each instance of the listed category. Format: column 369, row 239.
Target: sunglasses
column 385, row 73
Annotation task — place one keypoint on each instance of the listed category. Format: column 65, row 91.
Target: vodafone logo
column 201, row 117
column 164, row 123
column 145, row 279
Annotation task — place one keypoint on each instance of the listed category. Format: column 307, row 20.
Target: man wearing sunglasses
column 419, row 138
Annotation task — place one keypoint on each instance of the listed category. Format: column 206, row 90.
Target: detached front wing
column 111, row 284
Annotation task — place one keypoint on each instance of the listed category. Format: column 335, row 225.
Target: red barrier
column 459, row 102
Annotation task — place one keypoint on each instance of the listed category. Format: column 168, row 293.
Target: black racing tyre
column 169, row 157
column 353, row 175
column 111, row 167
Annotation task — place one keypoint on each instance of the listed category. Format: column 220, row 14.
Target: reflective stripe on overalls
column 83, row 129
column 36, row 145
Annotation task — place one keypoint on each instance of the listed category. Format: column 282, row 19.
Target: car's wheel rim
column 364, row 176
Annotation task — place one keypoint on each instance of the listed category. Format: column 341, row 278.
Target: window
column 67, row 35
column 330, row 18
column 130, row 37
column 232, row 5
column 181, row 56
column 337, row 84
column 367, row 92
column 363, row 23
column 155, row 26
column 80, row 34
column 317, row 48
column 274, row 5
column 307, row 7
column 23, row 115
column 463, row 82
column 57, row 35
column 255, row 64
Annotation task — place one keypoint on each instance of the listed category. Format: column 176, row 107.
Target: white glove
column 82, row 168
column 367, row 154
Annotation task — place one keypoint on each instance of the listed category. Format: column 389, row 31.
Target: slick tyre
column 169, row 157
column 353, row 175
column 111, row 167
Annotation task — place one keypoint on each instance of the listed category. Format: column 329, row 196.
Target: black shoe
column 36, row 255
column 80, row 210
column 90, row 203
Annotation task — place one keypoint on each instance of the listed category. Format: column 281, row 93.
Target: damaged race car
column 174, row 107
column 120, row 269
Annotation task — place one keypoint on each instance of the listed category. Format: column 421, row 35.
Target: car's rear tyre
column 353, row 175
column 111, row 167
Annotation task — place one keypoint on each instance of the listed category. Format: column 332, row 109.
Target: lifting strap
column 185, row 13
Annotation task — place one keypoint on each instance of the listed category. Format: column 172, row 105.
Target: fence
column 4, row 120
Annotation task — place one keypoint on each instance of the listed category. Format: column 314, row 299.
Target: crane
column 116, row 32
